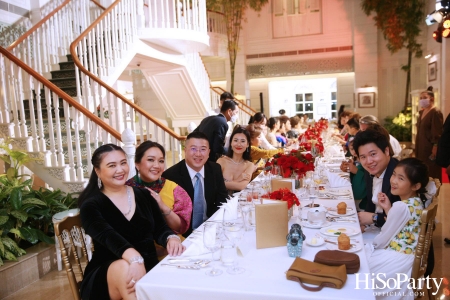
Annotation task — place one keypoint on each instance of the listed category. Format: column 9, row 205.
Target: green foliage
column 400, row 126
column 399, row 21
column 25, row 214
column 234, row 14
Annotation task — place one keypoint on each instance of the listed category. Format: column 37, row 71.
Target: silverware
column 187, row 267
column 342, row 220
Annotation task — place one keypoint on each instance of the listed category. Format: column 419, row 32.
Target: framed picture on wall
column 366, row 100
column 432, row 71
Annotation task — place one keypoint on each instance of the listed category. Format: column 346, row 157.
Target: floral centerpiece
column 311, row 138
column 284, row 195
column 293, row 162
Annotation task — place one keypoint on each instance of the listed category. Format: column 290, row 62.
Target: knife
column 187, row 267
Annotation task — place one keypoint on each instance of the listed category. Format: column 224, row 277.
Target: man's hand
column 365, row 218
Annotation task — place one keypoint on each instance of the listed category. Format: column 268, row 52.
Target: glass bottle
column 295, row 240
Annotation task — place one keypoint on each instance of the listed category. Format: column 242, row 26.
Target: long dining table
column 265, row 270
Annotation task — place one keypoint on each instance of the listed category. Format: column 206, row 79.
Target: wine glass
column 245, row 207
column 212, row 242
column 234, row 230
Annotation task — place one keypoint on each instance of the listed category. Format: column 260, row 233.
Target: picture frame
column 366, row 100
column 432, row 71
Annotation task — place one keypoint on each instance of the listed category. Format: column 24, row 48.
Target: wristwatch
column 375, row 218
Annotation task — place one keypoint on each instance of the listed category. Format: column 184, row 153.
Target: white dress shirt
column 376, row 188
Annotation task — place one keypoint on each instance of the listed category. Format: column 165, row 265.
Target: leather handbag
column 305, row 271
column 338, row 258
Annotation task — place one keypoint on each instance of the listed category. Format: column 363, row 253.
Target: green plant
column 25, row 214
column 400, row 125
column 234, row 13
column 400, row 23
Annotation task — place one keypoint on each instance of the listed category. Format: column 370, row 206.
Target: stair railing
column 62, row 119
column 216, row 22
column 100, row 47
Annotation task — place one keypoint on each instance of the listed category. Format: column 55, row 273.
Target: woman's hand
column 135, row 272
column 155, row 195
column 384, row 202
column 175, row 247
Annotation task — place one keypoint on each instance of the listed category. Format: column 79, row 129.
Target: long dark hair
column 417, row 172
column 97, row 157
column 240, row 129
column 272, row 122
column 256, row 118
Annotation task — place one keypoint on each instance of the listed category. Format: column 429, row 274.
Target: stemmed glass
column 212, row 242
column 234, row 230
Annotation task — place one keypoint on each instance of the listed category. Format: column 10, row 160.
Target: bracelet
column 166, row 214
column 137, row 259
column 173, row 236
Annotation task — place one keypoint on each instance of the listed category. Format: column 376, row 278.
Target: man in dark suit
column 373, row 149
column 212, row 185
column 215, row 128
column 443, row 152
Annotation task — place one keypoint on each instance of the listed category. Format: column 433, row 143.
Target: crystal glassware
column 212, row 242
column 234, row 230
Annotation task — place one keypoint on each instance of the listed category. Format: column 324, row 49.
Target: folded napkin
column 431, row 191
column 230, row 209
column 335, row 180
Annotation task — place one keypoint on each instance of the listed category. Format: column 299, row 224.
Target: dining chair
column 69, row 234
column 405, row 153
column 423, row 246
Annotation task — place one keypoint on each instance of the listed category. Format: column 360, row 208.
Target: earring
column 99, row 182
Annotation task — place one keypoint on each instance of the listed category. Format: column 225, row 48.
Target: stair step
column 62, row 73
column 68, row 82
column 69, row 57
column 67, row 65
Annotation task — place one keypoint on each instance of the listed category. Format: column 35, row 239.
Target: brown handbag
column 305, row 271
column 338, row 258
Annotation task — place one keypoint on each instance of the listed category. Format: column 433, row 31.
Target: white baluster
column 60, row 156
column 128, row 140
column 67, row 115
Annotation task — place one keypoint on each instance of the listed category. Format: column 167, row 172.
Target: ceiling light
column 428, row 55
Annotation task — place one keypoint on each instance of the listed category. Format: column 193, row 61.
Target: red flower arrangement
column 292, row 162
column 284, row 195
column 311, row 137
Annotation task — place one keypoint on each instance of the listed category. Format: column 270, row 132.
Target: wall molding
column 301, row 67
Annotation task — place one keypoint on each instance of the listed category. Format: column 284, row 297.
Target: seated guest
column 295, row 128
column 259, row 119
column 237, row 166
column 200, row 178
column 368, row 121
column 356, row 177
column 353, row 128
column 372, row 148
column 285, row 126
column 257, row 153
column 124, row 222
column 273, row 125
column 173, row 201
column 392, row 251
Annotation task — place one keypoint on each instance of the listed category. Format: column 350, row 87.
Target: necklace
column 129, row 202
column 236, row 163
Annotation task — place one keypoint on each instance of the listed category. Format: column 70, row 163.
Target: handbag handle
column 311, row 288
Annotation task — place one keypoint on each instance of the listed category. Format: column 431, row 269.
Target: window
column 304, row 104
column 333, row 105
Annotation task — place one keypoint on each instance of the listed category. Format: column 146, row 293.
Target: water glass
column 212, row 242
column 228, row 253
column 234, row 230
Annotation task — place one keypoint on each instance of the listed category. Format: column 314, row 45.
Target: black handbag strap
column 312, row 288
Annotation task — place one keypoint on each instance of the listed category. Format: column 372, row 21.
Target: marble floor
column 56, row 286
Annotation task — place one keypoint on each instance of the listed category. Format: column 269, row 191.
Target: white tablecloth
column 264, row 277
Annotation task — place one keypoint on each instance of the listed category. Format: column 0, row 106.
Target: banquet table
column 264, row 277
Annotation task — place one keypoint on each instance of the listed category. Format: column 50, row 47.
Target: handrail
column 98, row 4
column 77, row 62
column 239, row 101
column 216, row 12
column 62, row 94
column 36, row 26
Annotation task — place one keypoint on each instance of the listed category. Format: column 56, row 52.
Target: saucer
column 314, row 226
column 351, row 250
column 318, row 241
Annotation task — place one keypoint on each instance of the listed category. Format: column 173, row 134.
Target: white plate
column 319, row 242
column 309, row 225
column 338, row 192
column 332, row 230
column 351, row 250
column 350, row 212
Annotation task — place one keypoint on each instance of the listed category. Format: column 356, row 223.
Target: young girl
column 392, row 251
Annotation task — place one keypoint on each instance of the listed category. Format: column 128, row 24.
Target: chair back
column 424, row 241
column 405, row 153
column 70, row 234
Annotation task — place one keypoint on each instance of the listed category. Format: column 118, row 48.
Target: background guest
column 371, row 121
column 429, row 130
column 123, row 221
column 273, row 125
column 260, row 120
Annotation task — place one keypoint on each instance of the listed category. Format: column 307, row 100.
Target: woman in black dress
column 124, row 222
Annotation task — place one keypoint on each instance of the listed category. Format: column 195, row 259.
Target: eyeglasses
column 195, row 150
